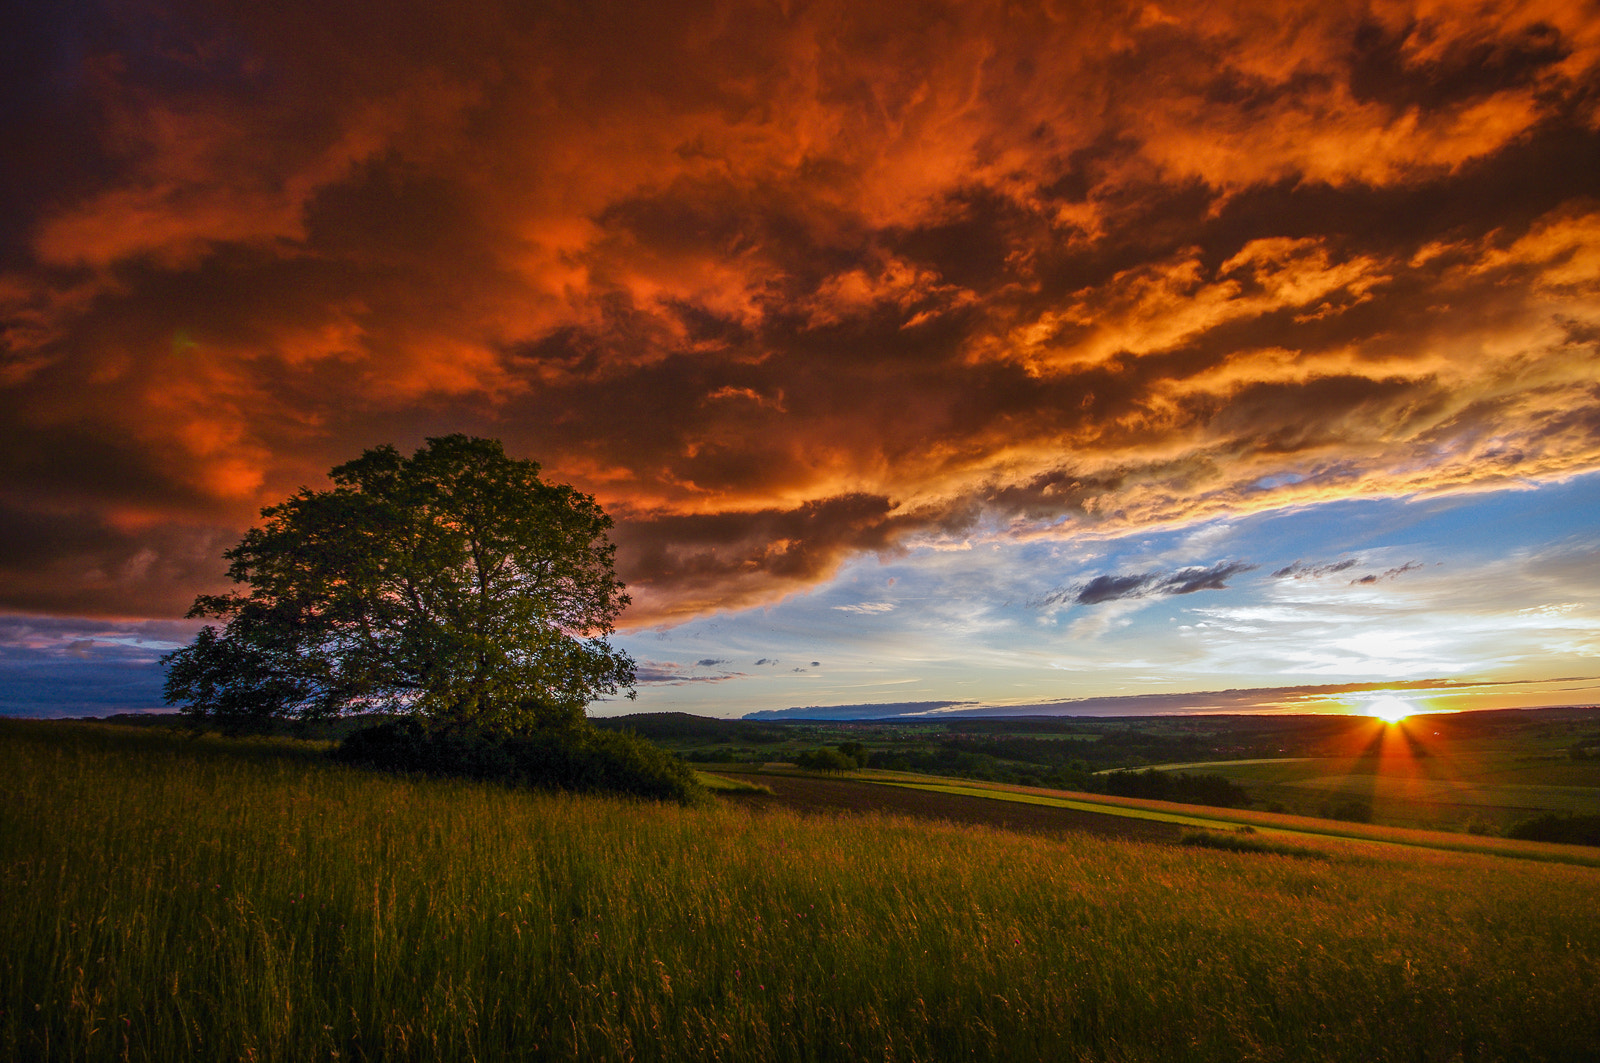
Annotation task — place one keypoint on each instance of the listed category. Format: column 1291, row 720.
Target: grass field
column 172, row 899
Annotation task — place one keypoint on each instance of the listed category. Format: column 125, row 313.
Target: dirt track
column 825, row 796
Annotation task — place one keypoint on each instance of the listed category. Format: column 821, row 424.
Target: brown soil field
column 818, row 795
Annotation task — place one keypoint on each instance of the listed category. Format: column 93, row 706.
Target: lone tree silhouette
column 454, row 583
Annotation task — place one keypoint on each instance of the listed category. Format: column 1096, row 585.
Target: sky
column 1007, row 357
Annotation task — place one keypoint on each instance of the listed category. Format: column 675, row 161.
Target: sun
column 1390, row 709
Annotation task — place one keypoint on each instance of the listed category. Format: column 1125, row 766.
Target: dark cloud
column 1389, row 574
column 1301, row 570
column 709, row 662
column 670, row 673
column 1203, row 579
column 1110, row 588
column 1385, row 64
column 783, row 285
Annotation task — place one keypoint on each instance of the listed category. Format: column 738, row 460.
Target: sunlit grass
column 166, row 900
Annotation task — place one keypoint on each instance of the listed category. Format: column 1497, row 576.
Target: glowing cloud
column 787, row 285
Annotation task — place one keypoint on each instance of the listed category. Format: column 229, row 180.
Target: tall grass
column 170, row 899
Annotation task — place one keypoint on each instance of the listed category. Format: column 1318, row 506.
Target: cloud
column 670, row 673
column 1300, row 570
column 67, row 666
column 1389, row 574
column 783, row 286
column 1332, row 698
column 885, row 710
column 1214, row 578
column 1111, row 588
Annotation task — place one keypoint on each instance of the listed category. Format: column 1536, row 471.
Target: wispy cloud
column 1111, row 588
column 1388, row 574
column 670, row 673
column 1301, row 570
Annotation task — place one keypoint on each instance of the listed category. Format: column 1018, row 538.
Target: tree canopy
column 454, row 583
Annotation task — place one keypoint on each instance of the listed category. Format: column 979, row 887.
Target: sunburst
column 1391, row 709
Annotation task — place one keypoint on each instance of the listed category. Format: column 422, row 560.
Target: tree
column 455, row 584
column 825, row 759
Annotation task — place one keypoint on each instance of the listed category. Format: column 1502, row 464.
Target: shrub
column 1214, row 790
column 580, row 759
column 825, row 760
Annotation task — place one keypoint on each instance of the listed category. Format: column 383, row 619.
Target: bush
column 825, row 760
column 1214, row 790
column 580, row 759
column 1571, row 830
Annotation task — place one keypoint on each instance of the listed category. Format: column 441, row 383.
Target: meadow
column 172, row 898
column 1479, row 772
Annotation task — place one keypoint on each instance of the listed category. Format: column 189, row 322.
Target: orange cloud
column 787, row 285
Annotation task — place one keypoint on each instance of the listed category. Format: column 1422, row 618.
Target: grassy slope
column 170, row 900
